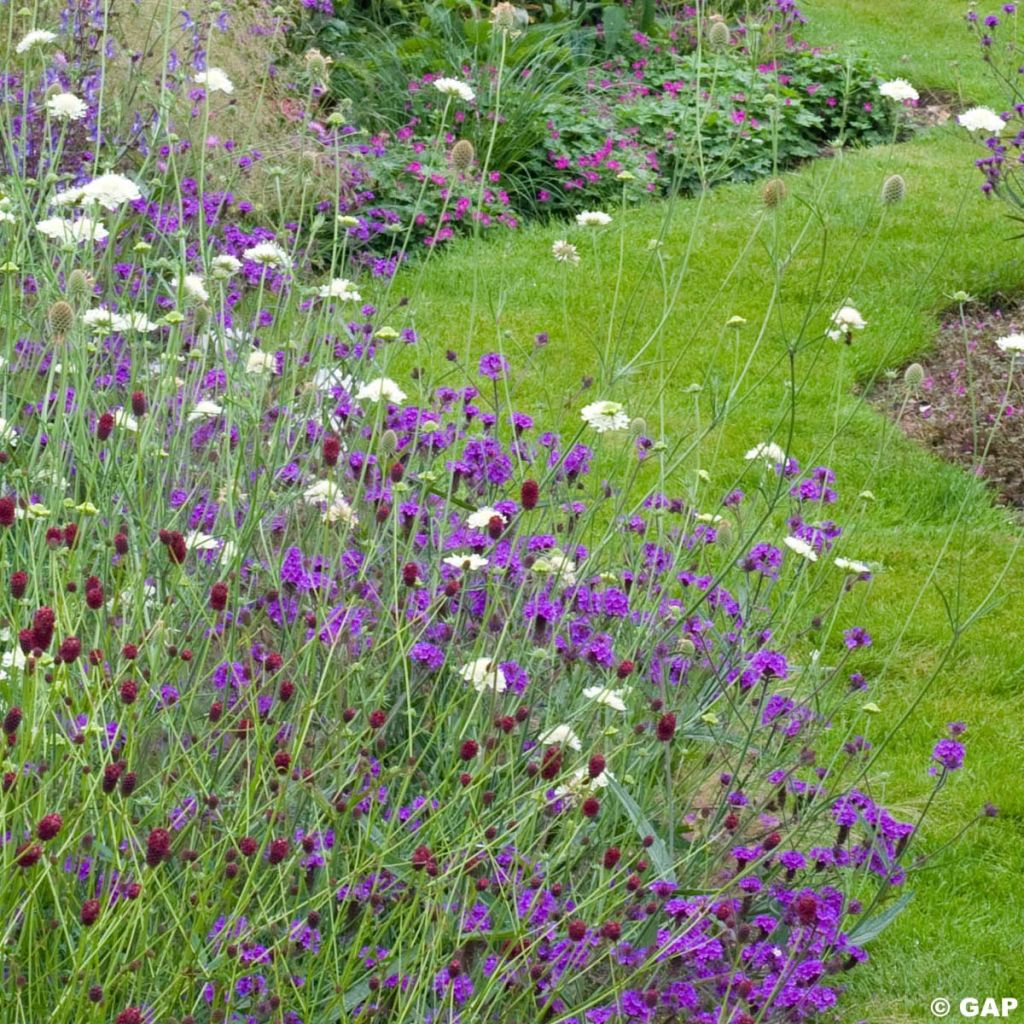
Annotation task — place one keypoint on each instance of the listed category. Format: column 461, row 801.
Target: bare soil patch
column 969, row 406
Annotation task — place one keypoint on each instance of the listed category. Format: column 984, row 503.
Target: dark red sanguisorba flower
column 278, row 851
column 219, row 597
column 596, row 765
column 49, row 826
column 27, row 855
column 590, row 807
column 138, row 403
column 90, row 911
column 577, row 930
column 69, row 649
column 529, row 494
column 158, row 846
column 331, row 450
column 105, row 425
column 129, row 691
column 42, row 628
column 131, row 1015
column 12, row 720
column 6, row 512
column 19, row 583
column 469, row 750
column 666, row 728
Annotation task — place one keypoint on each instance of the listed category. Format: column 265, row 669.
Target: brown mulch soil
column 955, row 411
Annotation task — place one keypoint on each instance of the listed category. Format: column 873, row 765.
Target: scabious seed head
column 79, row 286
column 389, row 442
column 913, row 376
column 719, row 36
column 462, row 155
column 773, row 193
column 61, row 318
column 894, row 188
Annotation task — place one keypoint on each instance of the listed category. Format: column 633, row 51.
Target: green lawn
column 960, row 935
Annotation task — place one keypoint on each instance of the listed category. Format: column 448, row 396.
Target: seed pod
column 913, row 376
column 462, row 155
column 773, row 193
column 79, row 286
column 719, row 36
column 389, row 442
column 894, row 188
column 61, row 318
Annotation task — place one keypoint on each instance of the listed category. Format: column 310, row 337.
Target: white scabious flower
column 136, row 321
column 561, row 735
column 205, row 410
column 261, row 362
column 453, row 87
column 224, row 266
column 328, row 378
column 197, row 541
column 468, row 562
column 14, row 658
column 481, row 518
column 111, row 191
column 843, row 322
column 215, row 80
column 7, row 434
column 37, row 37
column 73, row 231
column 1011, row 343
column 604, row 416
column 340, row 288
column 193, row 286
column 381, row 389
column 849, row 565
column 68, row 197
column 801, row 547
column 268, row 254
column 593, row 219
column 556, row 564
column 581, row 780
column 66, row 106
column 981, row 119
column 340, row 511
column 483, row 675
column 565, row 252
column 104, row 321
column 899, row 89
column 770, row 453
column 6, row 217
column 614, row 699
column 126, row 421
